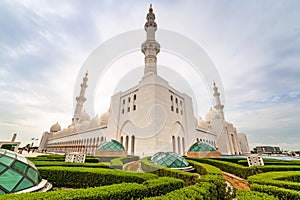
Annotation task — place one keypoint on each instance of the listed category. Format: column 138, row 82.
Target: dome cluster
column 84, row 123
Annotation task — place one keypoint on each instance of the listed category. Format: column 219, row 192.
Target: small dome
column 104, row 118
column 112, row 145
column 203, row 124
column 202, row 147
column 84, row 117
column 210, row 115
column 18, row 173
column 55, row 128
column 94, row 122
column 169, row 159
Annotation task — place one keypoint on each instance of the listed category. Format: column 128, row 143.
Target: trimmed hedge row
column 193, row 192
column 88, row 159
column 288, row 180
column 147, row 166
column 243, row 171
column 203, row 168
column 253, row 195
column 281, row 193
column 118, row 163
column 233, row 168
column 122, row 191
column 68, row 164
column 80, row 177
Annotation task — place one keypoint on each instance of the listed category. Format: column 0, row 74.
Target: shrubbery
column 118, row 163
column 68, row 164
column 253, row 195
column 288, row 180
column 122, row 191
column 281, row 193
column 203, row 168
column 147, row 166
column 80, row 177
column 88, row 159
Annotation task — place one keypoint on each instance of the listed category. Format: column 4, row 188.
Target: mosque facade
column 148, row 118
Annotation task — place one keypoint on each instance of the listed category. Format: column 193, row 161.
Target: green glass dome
column 169, row 159
column 202, row 147
column 16, row 172
column 112, row 145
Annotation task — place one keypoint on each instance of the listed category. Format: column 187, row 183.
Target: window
column 128, row 99
column 172, row 108
column 176, row 110
column 180, row 102
column 134, row 97
column 134, row 107
column 181, row 112
column 128, row 109
column 171, row 98
column 176, row 100
column 123, row 111
column 123, row 101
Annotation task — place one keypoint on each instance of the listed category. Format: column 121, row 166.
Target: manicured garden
column 95, row 180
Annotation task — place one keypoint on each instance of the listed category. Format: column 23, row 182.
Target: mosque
column 148, row 118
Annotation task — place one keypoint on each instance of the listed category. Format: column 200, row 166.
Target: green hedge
column 281, row 193
column 203, row 168
column 188, row 177
column 118, row 163
column 68, row 164
column 88, row 159
column 233, row 168
column 80, row 177
column 253, row 195
column 122, row 191
column 194, row 192
column 288, row 180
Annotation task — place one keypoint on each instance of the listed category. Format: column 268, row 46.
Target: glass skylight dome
column 169, row 159
column 202, row 147
column 112, row 145
column 17, row 174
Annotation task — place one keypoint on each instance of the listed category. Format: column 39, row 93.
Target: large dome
column 202, row 147
column 112, row 145
column 17, row 174
column 169, row 159
column 55, row 128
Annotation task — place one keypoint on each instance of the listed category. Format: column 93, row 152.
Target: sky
column 254, row 45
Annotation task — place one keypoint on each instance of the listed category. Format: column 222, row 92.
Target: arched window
column 121, row 140
column 178, row 140
column 197, row 139
column 132, row 144
column 171, row 97
column 173, row 143
column 126, row 142
column 134, row 97
column 183, row 145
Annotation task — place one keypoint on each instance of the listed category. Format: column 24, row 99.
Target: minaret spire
column 150, row 47
column 80, row 100
column 219, row 107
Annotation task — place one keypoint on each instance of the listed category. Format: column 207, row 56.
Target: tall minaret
column 80, row 100
column 150, row 47
column 219, row 107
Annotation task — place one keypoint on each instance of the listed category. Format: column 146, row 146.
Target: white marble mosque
column 147, row 118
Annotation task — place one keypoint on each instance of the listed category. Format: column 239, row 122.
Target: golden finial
column 151, row 9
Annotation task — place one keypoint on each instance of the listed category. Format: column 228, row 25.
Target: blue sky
column 255, row 46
